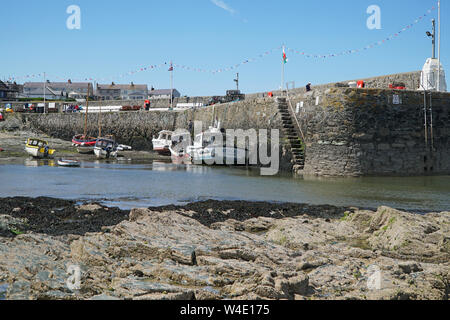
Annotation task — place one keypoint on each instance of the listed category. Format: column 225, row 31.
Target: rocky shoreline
column 221, row 250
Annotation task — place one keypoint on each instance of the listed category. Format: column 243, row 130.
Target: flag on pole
column 285, row 60
column 171, row 67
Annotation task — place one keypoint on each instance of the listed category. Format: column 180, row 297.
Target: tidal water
column 131, row 184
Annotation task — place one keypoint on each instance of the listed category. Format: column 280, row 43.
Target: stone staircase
column 291, row 133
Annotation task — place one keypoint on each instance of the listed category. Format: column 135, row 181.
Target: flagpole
column 439, row 47
column 282, row 71
column 45, row 89
column 171, row 85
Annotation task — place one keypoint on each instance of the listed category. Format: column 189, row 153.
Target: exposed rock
column 196, row 253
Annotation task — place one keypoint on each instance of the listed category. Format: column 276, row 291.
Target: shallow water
column 130, row 184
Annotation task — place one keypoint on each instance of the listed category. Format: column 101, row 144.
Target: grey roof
column 161, row 92
column 7, row 86
column 122, row 86
column 56, row 84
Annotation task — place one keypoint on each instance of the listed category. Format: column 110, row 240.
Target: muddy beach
column 221, row 250
column 13, row 143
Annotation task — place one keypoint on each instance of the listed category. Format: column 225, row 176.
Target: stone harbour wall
column 373, row 132
column 346, row 131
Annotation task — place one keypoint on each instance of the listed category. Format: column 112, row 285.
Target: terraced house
column 8, row 90
column 122, row 91
column 56, row 90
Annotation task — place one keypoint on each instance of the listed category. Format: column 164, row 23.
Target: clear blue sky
column 120, row 36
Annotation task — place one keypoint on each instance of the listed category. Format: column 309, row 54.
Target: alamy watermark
column 74, row 280
column 74, row 20
column 234, row 147
column 374, row 21
column 374, row 277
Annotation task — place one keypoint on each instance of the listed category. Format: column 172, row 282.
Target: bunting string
column 370, row 46
column 233, row 67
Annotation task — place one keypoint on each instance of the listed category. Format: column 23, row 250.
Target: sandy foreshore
column 221, row 250
column 13, row 145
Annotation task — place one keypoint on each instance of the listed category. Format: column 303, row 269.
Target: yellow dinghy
column 39, row 149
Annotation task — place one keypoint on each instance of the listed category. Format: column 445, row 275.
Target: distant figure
column 190, row 126
column 147, row 105
column 308, row 87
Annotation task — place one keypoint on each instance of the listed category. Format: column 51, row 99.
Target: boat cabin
column 104, row 143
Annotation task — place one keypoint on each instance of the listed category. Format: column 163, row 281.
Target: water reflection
column 159, row 182
column 31, row 162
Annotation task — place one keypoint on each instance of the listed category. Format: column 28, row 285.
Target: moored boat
column 68, row 163
column 82, row 140
column 162, row 143
column 38, row 148
column 181, row 140
column 211, row 148
column 106, row 148
column 84, row 145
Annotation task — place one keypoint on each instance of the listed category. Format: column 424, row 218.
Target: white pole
column 439, row 47
column 171, row 85
column 45, row 89
column 282, row 70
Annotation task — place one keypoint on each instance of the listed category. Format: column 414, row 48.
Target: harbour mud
column 221, row 250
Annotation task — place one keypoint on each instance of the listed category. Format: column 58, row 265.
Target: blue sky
column 121, row 36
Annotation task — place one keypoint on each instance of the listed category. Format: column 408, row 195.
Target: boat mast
column 439, row 47
column 100, row 122
column 87, row 110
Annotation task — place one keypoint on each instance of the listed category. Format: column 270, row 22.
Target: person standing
column 191, row 128
column 308, row 87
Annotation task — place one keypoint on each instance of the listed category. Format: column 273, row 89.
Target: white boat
column 39, row 149
column 210, row 147
column 181, row 140
column 105, row 148
column 68, row 163
column 163, row 142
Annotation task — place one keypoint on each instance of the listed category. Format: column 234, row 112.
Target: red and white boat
column 163, row 142
column 84, row 144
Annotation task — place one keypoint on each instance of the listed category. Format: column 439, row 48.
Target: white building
column 429, row 76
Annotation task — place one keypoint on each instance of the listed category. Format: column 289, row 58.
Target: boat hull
column 80, row 140
column 68, row 163
column 164, row 151
column 85, row 149
column 39, row 153
column 219, row 156
column 103, row 154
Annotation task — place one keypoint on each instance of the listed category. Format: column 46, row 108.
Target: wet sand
column 13, row 145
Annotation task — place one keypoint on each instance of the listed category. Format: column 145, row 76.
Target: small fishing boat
column 84, row 145
column 38, row 148
column 211, row 148
column 68, row 163
column 106, row 148
column 163, row 142
column 181, row 140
